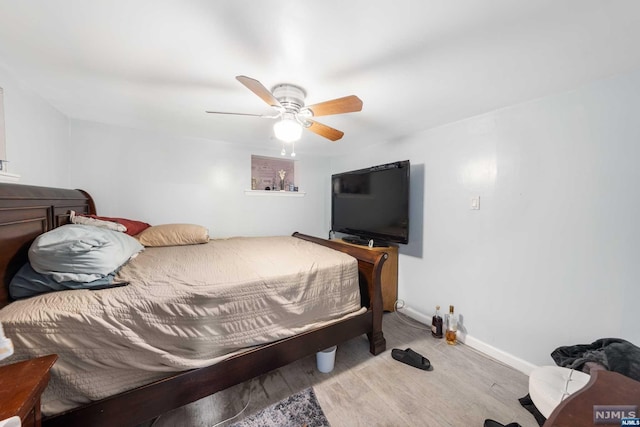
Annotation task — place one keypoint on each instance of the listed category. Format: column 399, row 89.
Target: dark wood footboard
column 27, row 211
column 370, row 271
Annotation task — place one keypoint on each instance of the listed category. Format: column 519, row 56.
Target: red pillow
column 133, row 227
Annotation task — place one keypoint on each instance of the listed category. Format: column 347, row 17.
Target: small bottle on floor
column 452, row 327
column 436, row 324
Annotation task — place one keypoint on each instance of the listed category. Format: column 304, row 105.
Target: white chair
column 550, row 385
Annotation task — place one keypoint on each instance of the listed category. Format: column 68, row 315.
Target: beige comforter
column 186, row 307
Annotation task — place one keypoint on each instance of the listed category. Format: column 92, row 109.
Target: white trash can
column 326, row 359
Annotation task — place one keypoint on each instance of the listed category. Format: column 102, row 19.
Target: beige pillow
column 173, row 235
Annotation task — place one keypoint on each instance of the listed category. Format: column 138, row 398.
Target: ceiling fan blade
column 256, row 87
column 348, row 104
column 244, row 114
column 324, row 130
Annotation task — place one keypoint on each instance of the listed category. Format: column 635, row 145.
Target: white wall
column 551, row 258
column 167, row 179
column 36, row 135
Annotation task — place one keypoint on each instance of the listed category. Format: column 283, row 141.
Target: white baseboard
column 504, row 357
column 416, row 315
column 9, row 177
column 491, row 351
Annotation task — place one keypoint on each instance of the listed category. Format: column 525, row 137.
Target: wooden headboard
column 27, row 211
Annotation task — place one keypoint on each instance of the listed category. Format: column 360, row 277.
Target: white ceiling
column 159, row 64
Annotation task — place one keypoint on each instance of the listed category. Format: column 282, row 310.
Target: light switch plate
column 475, row 203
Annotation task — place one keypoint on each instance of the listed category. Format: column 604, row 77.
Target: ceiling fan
column 293, row 114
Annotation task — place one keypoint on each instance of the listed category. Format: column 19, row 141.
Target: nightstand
column 21, row 385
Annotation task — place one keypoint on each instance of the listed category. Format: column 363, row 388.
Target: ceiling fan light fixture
column 287, row 130
column 289, row 102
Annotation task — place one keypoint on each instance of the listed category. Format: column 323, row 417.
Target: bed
column 28, row 211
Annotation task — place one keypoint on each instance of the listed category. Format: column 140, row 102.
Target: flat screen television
column 372, row 204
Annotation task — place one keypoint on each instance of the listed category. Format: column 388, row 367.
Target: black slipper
column 492, row 423
column 411, row 358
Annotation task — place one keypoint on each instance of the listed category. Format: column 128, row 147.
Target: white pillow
column 81, row 254
column 85, row 220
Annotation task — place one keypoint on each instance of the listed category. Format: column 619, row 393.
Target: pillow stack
column 88, row 253
column 73, row 256
column 81, row 254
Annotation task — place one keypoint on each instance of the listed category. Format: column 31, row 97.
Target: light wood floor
column 463, row 389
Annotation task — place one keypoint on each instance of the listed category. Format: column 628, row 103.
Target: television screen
column 372, row 203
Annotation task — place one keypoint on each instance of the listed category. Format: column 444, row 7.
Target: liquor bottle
column 436, row 324
column 452, row 327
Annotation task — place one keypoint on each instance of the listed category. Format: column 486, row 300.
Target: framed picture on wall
column 3, row 148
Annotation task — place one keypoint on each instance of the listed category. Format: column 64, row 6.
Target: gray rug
column 301, row 409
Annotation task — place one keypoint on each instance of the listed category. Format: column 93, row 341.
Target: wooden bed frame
column 28, row 211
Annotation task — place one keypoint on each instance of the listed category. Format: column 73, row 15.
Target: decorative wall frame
column 3, row 144
column 5, row 176
column 272, row 173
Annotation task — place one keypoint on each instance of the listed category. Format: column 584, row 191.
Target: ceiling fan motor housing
column 291, row 97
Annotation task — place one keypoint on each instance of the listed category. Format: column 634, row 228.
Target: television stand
column 366, row 242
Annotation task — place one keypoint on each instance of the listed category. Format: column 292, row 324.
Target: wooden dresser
column 21, row 385
column 389, row 274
